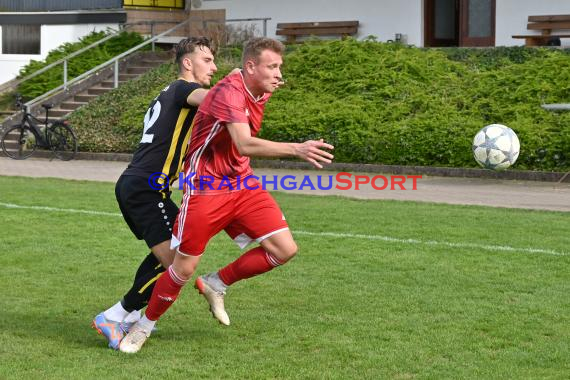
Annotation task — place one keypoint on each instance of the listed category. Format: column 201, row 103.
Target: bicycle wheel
column 19, row 142
column 62, row 141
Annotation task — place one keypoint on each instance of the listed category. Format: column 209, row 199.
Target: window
column 21, row 39
column 178, row 4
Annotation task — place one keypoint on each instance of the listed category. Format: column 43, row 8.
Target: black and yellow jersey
column 167, row 128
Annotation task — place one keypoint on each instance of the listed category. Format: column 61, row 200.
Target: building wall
column 384, row 18
column 512, row 16
column 202, row 22
column 52, row 36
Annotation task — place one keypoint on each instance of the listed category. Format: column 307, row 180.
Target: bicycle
column 21, row 141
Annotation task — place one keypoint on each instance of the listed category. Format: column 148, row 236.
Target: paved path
column 489, row 192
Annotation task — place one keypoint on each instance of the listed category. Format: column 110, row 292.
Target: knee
column 184, row 268
column 287, row 252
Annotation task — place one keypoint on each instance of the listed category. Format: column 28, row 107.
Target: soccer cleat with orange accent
column 113, row 331
column 214, row 298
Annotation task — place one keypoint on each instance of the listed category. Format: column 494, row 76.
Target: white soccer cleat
column 134, row 340
column 215, row 299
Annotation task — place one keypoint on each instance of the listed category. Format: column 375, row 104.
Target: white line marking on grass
column 67, row 210
column 504, row 248
column 434, row 242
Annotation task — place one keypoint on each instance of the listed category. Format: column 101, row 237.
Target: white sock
column 116, row 312
column 134, row 316
column 216, row 282
column 146, row 324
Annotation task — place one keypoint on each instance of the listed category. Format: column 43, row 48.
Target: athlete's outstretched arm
column 248, row 145
column 196, row 97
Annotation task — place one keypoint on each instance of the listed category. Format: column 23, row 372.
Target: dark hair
column 189, row 45
column 254, row 47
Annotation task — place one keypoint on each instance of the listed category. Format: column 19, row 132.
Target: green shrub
column 114, row 121
column 391, row 104
column 384, row 103
column 77, row 65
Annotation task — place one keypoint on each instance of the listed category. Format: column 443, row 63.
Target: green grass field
column 380, row 289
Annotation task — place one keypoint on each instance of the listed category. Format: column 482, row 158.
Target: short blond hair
column 254, row 47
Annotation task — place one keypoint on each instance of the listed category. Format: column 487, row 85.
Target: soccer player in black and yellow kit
column 143, row 193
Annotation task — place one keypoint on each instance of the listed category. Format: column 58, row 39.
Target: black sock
column 138, row 296
column 149, row 263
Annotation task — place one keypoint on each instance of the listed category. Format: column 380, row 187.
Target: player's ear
column 249, row 66
column 187, row 63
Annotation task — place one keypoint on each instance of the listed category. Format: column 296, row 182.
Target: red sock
column 251, row 263
column 165, row 292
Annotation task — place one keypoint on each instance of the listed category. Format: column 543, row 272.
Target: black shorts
column 149, row 214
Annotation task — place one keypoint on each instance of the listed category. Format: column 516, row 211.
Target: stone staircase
column 87, row 90
column 131, row 69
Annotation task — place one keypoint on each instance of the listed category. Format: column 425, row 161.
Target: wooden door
column 459, row 22
column 441, row 23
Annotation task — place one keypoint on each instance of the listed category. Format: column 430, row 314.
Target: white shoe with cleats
column 215, row 299
column 134, row 340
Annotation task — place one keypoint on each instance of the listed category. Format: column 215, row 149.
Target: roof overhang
column 110, row 16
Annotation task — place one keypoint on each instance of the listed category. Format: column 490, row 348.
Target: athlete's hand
column 312, row 151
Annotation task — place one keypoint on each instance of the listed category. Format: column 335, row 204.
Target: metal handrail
column 114, row 60
column 64, row 60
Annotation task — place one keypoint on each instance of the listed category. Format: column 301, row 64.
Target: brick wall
column 202, row 22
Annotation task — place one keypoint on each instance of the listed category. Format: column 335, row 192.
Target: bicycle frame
column 32, row 121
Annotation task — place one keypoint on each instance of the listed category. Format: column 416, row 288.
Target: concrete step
column 12, row 137
column 71, row 105
column 126, row 77
column 110, row 83
column 137, row 70
column 152, row 62
column 56, row 113
column 84, row 97
column 98, row 90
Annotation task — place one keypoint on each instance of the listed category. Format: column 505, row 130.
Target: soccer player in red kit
column 223, row 139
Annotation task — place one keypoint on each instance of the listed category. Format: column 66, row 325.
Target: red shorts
column 245, row 215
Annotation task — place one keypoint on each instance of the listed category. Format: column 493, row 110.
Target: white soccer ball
column 496, row 147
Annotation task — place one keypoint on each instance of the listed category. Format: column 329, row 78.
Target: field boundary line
column 389, row 239
column 336, row 235
column 55, row 209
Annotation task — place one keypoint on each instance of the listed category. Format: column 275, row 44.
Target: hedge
column 78, row 64
column 384, row 103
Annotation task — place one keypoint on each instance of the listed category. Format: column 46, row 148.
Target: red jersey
column 212, row 155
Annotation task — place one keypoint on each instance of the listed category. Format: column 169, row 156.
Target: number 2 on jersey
column 149, row 119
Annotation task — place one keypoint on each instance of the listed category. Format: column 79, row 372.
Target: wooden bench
column 320, row 28
column 546, row 24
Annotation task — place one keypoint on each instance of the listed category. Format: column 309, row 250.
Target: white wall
column 52, row 36
column 512, row 17
column 382, row 18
